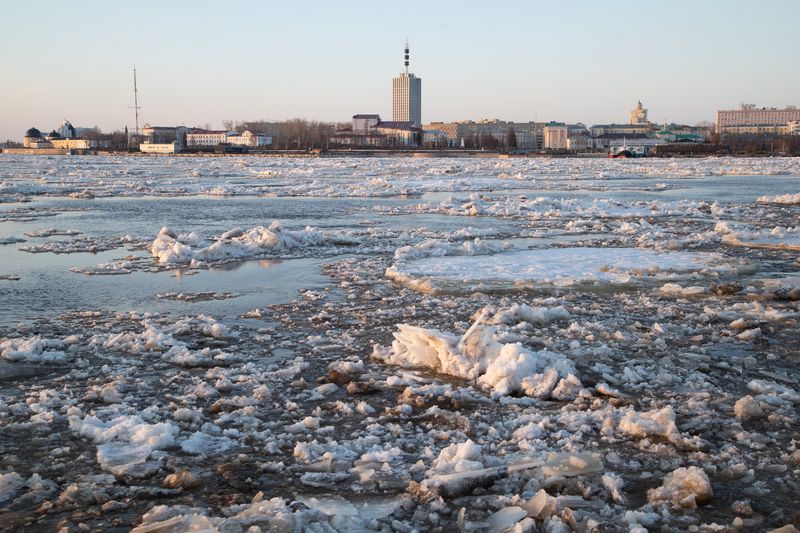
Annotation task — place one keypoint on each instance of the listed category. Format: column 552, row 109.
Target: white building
column 555, row 136
column 66, row 130
column 159, row 148
column 250, row 139
column 208, row 137
column 365, row 124
column 407, row 96
column 165, row 134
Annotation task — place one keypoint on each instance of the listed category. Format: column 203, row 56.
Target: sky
column 204, row 62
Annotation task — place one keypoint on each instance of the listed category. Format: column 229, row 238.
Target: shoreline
column 436, row 154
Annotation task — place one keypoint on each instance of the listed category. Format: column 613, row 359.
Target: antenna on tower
column 406, row 57
column 135, row 100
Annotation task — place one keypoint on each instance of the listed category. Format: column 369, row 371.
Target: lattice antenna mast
column 405, row 63
column 135, row 100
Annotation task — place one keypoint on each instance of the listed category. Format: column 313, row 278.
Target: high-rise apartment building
column 407, row 96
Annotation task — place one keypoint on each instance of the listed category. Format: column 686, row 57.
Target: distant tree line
column 117, row 141
column 292, row 134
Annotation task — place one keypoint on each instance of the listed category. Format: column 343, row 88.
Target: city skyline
column 520, row 62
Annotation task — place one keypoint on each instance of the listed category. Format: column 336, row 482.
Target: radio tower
column 135, row 101
column 406, row 58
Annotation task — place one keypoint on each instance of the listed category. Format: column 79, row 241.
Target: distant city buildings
column 488, row 133
column 55, row 140
column 368, row 130
column 639, row 136
column 407, row 96
column 174, row 139
column 749, row 119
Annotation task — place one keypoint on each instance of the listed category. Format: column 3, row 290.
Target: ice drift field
column 341, row 344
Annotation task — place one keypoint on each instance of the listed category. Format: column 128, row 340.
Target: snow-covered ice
column 555, row 267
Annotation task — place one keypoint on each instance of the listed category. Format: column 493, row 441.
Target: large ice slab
column 556, row 267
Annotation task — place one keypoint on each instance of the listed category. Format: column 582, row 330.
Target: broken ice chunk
column 684, row 487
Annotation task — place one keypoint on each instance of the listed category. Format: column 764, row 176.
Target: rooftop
column 397, row 125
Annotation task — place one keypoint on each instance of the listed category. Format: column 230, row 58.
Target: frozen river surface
column 343, row 344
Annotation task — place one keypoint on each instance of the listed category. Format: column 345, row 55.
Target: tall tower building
column 639, row 114
column 407, row 96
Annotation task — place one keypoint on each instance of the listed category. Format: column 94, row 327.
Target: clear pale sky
column 203, row 62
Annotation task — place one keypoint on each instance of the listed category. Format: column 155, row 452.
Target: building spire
column 405, row 63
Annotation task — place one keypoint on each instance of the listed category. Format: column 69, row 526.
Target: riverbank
column 451, row 154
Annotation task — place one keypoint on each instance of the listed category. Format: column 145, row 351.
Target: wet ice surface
column 559, row 267
column 393, row 344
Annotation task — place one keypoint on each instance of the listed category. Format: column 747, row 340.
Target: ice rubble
column 101, row 176
column 105, row 269
column 437, row 269
column 154, row 338
column 747, row 408
column 685, row 487
column 9, row 485
column 172, row 248
column 594, row 419
column 786, row 199
column 776, row 237
column 169, row 247
column 657, row 423
column 457, row 458
column 10, row 239
column 315, row 513
column 545, row 207
column 501, row 368
column 49, row 232
column 34, row 349
column 125, row 443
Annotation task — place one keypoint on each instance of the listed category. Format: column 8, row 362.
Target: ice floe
column 556, row 267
